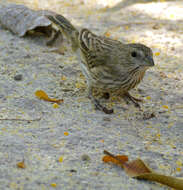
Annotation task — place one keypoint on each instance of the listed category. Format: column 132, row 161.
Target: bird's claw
column 133, row 99
column 101, row 108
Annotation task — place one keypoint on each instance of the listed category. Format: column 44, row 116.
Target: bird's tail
column 66, row 27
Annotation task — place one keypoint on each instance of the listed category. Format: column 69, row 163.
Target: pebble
column 18, row 77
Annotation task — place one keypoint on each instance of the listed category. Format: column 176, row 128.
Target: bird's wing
column 96, row 49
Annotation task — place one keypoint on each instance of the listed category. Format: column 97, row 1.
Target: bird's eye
column 133, row 54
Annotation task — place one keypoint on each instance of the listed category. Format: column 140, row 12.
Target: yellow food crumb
column 157, row 54
column 148, row 98
column 178, row 169
column 158, row 135
column 60, row 159
column 107, row 34
column 126, row 27
column 63, row 78
column 66, row 133
column 21, row 165
column 172, row 16
column 133, row 41
column 53, row 184
column 55, row 105
column 179, row 163
column 165, row 106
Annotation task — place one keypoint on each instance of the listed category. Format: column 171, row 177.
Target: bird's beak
column 150, row 61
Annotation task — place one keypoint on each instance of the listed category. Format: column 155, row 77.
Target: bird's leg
column 97, row 103
column 106, row 95
column 133, row 99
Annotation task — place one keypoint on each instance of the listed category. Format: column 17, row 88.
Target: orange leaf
column 122, row 158
column 118, row 160
column 43, row 96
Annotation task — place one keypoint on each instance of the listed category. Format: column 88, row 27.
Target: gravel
column 64, row 145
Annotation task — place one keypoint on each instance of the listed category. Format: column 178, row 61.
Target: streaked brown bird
column 106, row 63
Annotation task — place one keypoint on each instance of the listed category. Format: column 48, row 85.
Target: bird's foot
column 106, row 95
column 135, row 101
column 98, row 106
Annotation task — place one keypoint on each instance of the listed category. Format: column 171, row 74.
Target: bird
column 107, row 64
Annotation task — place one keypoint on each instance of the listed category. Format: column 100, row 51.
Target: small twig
column 13, row 119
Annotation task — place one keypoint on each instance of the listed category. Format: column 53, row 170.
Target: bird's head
column 140, row 56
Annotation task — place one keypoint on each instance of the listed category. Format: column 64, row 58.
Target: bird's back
column 100, row 60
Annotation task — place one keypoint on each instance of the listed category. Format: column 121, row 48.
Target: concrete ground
column 63, row 147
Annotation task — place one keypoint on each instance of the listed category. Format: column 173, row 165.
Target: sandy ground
column 53, row 146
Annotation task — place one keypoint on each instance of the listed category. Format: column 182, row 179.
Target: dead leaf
column 119, row 161
column 43, row 96
column 138, row 169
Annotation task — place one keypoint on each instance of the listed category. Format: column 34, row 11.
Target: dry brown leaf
column 138, row 169
column 43, row 96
